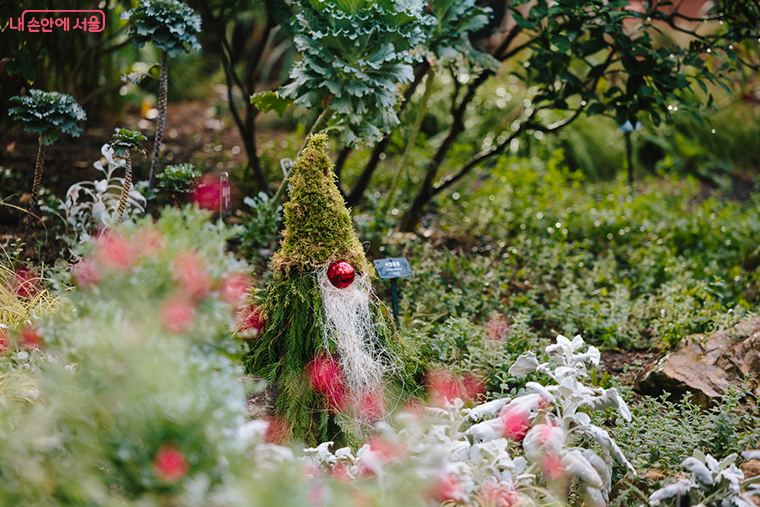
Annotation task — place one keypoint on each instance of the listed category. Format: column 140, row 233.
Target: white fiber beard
column 349, row 325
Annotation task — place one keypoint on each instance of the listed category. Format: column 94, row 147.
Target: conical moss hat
column 318, row 228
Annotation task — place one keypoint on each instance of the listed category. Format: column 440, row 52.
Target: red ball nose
column 341, row 274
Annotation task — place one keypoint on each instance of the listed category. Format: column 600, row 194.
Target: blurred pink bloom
column 207, row 194
column 552, row 466
column 170, row 463
column 497, row 327
column 386, row 450
column 114, row 251
column 177, row 314
column 442, row 387
column 85, row 273
column 447, row 488
column 340, row 472
column 5, row 342
column 371, row 406
column 30, row 337
column 25, row 283
column 235, row 288
column 495, row 494
column 278, row 432
column 149, row 241
column 473, row 386
column 189, row 269
column 515, row 416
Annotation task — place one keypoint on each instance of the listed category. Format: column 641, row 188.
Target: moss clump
column 318, row 228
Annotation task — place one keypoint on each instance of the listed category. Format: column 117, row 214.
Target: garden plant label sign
column 394, row 267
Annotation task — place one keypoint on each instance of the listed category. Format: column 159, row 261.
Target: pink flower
column 25, row 283
column 515, row 416
column 85, row 273
column 552, row 466
column 207, row 194
column 371, row 406
column 189, row 270
column 340, row 472
column 326, row 377
column 250, row 322
column 170, row 463
column 5, row 343
column 115, row 252
column 473, row 386
column 235, row 288
column 447, row 488
column 30, row 338
column 150, row 241
column 497, row 327
column 387, row 451
column 442, row 387
column 177, row 314
column 495, row 494
column 278, row 432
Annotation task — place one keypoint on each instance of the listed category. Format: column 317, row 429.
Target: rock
column 706, row 366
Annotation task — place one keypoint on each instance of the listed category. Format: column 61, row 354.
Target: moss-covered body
column 318, row 231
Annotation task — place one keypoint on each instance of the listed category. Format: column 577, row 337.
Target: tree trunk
column 125, row 188
column 162, row 89
column 35, row 190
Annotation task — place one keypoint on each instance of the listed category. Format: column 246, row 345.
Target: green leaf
column 521, row 21
column 271, row 101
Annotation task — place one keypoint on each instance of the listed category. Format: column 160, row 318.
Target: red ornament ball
column 341, row 274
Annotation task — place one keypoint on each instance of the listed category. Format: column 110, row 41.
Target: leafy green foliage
column 48, row 114
column 125, row 140
column 169, row 24
column 623, row 270
column 260, row 228
column 355, row 54
column 448, row 40
column 178, row 179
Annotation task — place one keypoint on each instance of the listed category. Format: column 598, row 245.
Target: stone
column 707, row 365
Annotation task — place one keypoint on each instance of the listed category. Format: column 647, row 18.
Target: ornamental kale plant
column 123, row 144
column 354, row 55
column 47, row 114
column 171, row 26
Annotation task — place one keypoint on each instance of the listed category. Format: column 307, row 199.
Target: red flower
column 30, row 338
column 25, row 283
column 515, row 422
column 5, row 343
column 85, row 273
column 208, row 193
column 235, row 288
column 278, row 432
column 115, row 252
column 250, row 322
column 190, row 271
column 447, row 488
column 326, row 377
column 177, row 314
column 170, row 463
